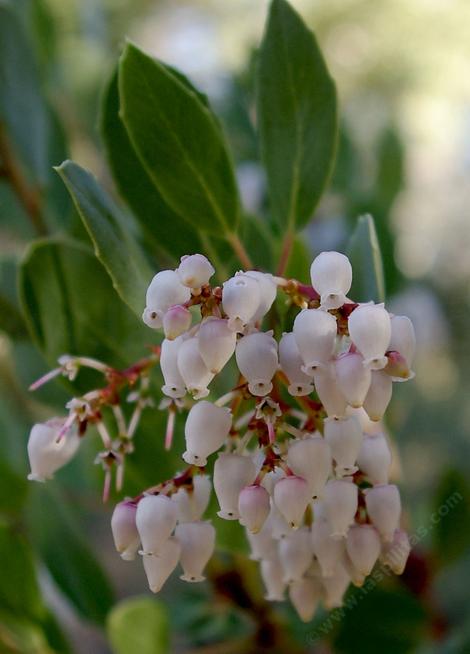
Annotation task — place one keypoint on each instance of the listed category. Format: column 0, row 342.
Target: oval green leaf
column 139, row 625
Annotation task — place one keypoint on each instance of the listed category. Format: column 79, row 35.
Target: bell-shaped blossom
column 291, row 496
column 195, row 270
column 191, row 504
column 356, row 577
column 397, row 367
column 334, row 588
column 295, row 554
column 174, row 384
column 48, row 451
column 232, row 472
column 253, row 507
column 352, row 377
column 159, row 568
column 262, row 544
column 152, row 318
column 403, row 338
column 277, row 523
column 268, row 292
column 271, row 574
column 207, row 426
column 378, row 396
column 241, row 296
column 363, row 547
column 257, row 361
column 165, row 290
column 395, row 553
column 271, row 478
column 331, row 276
column 216, row 343
column 124, row 530
column 384, row 509
column 315, row 334
column 328, row 391
column 328, row 550
column 344, row 436
column 305, row 595
column 375, row 458
column 176, row 320
column 197, row 540
column 341, row 501
column 310, row 458
column 155, row 520
column 192, row 368
column 370, row 331
column 291, row 364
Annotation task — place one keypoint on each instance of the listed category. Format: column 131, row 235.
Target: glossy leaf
column 366, row 260
column 296, row 116
column 139, row 624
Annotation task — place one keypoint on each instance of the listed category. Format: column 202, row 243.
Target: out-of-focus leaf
column 13, row 490
column 11, row 320
column 366, row 260
column 299, row 261
column 451, row 517
column 139, row 625
column 296, row 115
column 259, row 242
column 390, row 169
column 114, row 245
column 179, row 142
column 20, row 636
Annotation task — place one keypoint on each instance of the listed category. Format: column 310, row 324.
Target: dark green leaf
column 451, row 517
column 21, row 636
column 139, row 625
column 296, row 115
column 13, row 490
column 366, row 260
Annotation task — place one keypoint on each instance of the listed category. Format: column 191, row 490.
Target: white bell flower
column 191, row 505
column 395, row 553
column 256, row 356
column 327, row 390
column 48, row 451
column 315, row 334
column 197, row 540
column 125, row 535
column 195, row 270
column 363, row 547
column 216, row 343
column 353, row 378
column 192, row 368
column 165, row 290
column 370, row 331
column 291, row 496
column 241, row 297
column 268, row 292
column 291, row 364
column 155, row 520
column 384, row 509
column 253, row 507
column 340, row 498
column 375, row 459
column 331, row 276
column 176, row 321
column 159, row 568
column 174, row 384
column 310, row 458
column 305, row 595
column 295, row 554
column 344, row 436
column 379, row 395
column 328, row 550
column 232, row 472
column 206, row 429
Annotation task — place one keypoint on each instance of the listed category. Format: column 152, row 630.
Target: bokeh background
column 401, row 69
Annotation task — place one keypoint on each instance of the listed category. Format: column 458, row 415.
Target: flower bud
column 334, row 588
column 165, row 290
column 354, row 574
column 331, row 276
column 352, row 377
column 291, row 364
column 363, row 547
column 328, row 392
column 152, row 318
column 207, row 426
column 295, row 554
column 193, row 369
column 327, row 549
column 216, row 343
column 384, row 509
column 270, row 478
column 344, row 436
column 315, row 334
column 176, row 321
column 174, row 383
column 340, row 499
column 155, row 520
column 310, row 458
column 241, row 296
column 262, row 544
column 375, row 458
column 395, row 553
column 403, row 338
column 125, row 534
column 370, row 330
column 291, row 496
column 192, row 504
column 47, row 454
column 195, row 270
column 257, row 361
column 397, row 367
column 197, row 540
column 305, row 595
column 271, row 573
column 268, row 292
column 379, row 395
column 159, row 568
column 231, row 473
column 253, row 507
column 277, row 523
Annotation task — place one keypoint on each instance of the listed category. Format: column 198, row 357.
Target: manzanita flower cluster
column 301, row 457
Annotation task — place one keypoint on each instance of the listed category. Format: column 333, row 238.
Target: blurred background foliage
column 401, row 69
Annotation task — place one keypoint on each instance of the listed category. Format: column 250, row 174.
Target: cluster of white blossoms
column 305, row 463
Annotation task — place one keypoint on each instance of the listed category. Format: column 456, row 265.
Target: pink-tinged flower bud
column 395, row 554
column 370, row 330
column 327, row 549
column 340, row 500
column 197, row 540
column 310, row 458
column 257, row 361
column 363, row 547
column 291, row 496
column 291, row 364
column 125, row 534
column 344, row 436
column 295, row 554
column 176, row 321
column 384, row 509
column 174, row 383
column 155, row 520
column 403, row 338
column 334, row 588
column 241, row 296
column 315, row 334
column 232, row 472
column 331, row 276
column 193, row 370
column 152, row 318
column 271, row 574
column 268, row 292
column 378, row 396
column 195, row 270
column 353, row 378
column 207, row 427
column 327, row 390
column 397, row 367
column 375, row 459
column 253, row 507
column 165, row 290
column 262, row 544
column 277, row 523
column 305, row 595
column 216, row 343
column 47, row 454
column 159, row 568
column 192, row 504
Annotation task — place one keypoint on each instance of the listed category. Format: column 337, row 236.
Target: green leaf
column 179, row 143
column 21, row 636
column 451, row 517
column 297, row 116
column 366, row 260
column 114, row 244
column 139, row 625
column 13, row 490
